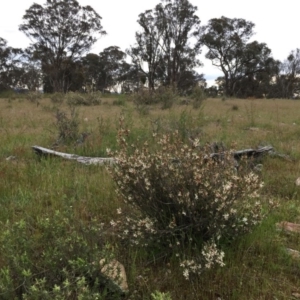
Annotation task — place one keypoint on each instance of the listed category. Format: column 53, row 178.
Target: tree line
column 165, row 53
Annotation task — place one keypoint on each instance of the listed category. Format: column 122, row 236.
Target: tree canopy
column 9, row 64
column 165, row 43
column 104, row 70
column 165, row 53
column 61, row 31
column 229, row 49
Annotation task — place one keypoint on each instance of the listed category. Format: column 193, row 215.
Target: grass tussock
column 58, row 217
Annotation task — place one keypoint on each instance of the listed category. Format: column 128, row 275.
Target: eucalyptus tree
column 105, row 70
column 9, row 64
column 61, row 31
column 288, row 81
column 147, row 48
column 229, row 49
column 164, row 49
column 29, row 73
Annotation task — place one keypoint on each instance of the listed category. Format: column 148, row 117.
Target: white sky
column 276, row 22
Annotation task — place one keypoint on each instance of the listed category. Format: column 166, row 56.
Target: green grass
column 257, row 266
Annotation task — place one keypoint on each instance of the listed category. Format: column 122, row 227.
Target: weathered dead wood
column 237, row 155
column 254, row 153
column 249, row 153
column 41, row 151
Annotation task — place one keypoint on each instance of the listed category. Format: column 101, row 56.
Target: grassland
column 257, row 265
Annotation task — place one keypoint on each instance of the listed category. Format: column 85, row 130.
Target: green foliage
column 160, row 296
column 67, row 127
column 198, row 95
column 162, row 52
column 241, row 61
column 143, row 97
column 119, row 102
column 9, row 59
column 65, row 44
column 165, row 96
column 34, row 97
column 257, row 265
column 57, row 98
column 187, row 125
column 55, row 257
column 83, row 99
column 185, row 202
column 104, row 70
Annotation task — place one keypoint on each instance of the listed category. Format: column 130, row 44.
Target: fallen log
column 41, row 151
column 237, row 155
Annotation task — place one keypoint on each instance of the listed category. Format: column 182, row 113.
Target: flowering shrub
column 184, row 201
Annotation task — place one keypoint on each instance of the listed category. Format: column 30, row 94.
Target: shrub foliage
column 67, row 127
column 165, row 96
column 52, row 258
column 185, row 203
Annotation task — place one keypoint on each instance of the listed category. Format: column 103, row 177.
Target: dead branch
column 41, row 151
column 237, row 155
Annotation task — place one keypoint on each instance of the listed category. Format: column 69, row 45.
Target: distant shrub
column 143, row 97
column 119, row 102
column 57, row 98
column 34, row 97
column 83, row 99
column 184, row 203
column 143, row 110
column 166, row 96
column 198, row 96
column 93, row 98
column 53, row 257
column 67, row 127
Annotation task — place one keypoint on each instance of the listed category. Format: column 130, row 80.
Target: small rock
column 288, row 227
column 115, row 272
column 11, row 158
column 297, row 182
column 294, row 253
column 253, row 128
column 296, row 295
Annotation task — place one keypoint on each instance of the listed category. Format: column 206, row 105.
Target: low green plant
column 57, row 98
column 143, row 97
column 83, row 99
column 93, row 98
column 198, row 96
column 251, row 113
column 161, row 296
column 166, row 96
column 184, row 203
column 34, row 97
column 7, row 94
column 143, row 110
column 119, row 102
column 188, row 125
column 55, row 257
column 67, row 126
